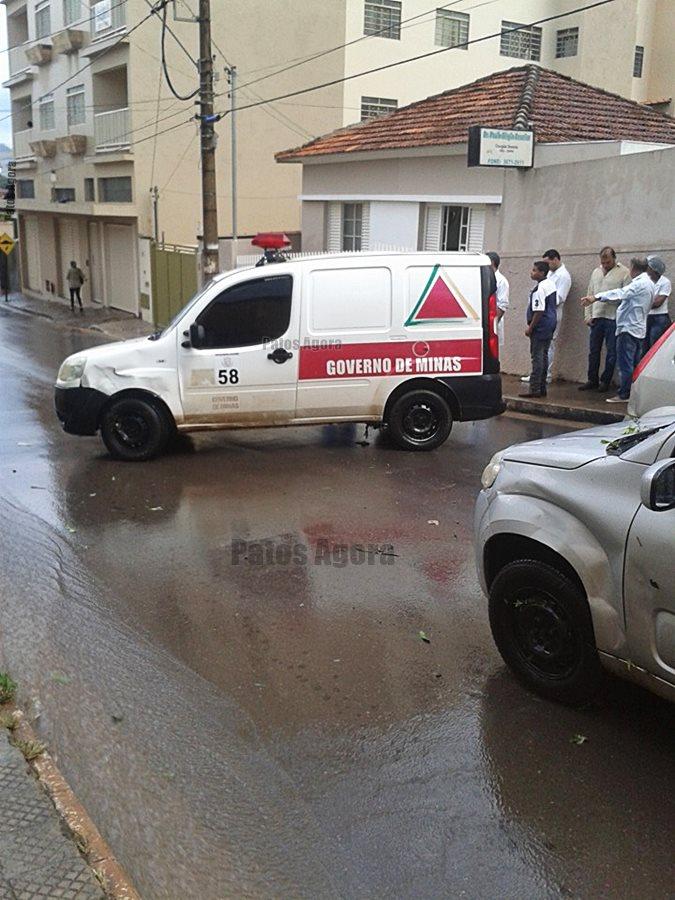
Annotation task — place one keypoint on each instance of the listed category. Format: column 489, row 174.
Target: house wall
column 578, row 209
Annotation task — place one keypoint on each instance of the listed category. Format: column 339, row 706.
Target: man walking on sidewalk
column 541, row 325
column 658, row 320
column 601, row 319
column 634, row 302
column 75, row 278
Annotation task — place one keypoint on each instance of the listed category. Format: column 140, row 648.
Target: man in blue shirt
column 634, row 302
column 542, row 319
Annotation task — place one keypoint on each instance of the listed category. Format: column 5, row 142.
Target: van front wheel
column 419, row 420
column 134, row 430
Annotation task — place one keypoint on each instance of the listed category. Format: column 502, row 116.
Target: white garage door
column 120, row 253
column 32, row 253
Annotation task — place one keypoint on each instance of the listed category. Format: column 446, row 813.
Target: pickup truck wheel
column 134, row 430
column 542, row 626
column 419, row 420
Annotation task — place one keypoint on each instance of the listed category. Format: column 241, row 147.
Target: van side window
column 253, row 312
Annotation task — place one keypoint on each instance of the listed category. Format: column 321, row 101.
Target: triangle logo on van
column 440, row 301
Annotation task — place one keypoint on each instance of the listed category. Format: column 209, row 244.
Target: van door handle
column 280, row 355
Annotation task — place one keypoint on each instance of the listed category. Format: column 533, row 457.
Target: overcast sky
column 6, row 126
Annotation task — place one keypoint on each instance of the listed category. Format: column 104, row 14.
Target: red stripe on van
column 386, row 359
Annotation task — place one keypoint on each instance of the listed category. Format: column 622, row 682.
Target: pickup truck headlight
column 491, row 471
column 72, row 369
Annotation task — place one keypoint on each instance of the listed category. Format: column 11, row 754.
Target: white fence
column 112, row 129
column 17, row 59
column 21, row 143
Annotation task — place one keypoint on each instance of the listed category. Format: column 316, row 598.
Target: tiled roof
column 560, row 109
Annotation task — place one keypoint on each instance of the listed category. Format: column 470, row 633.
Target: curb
column 112, row 877
column 566, row 413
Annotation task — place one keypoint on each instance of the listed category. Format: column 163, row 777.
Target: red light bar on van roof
column 271, row 240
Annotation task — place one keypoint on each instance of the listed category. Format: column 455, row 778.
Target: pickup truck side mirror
column 197, row 336
column 657, row 490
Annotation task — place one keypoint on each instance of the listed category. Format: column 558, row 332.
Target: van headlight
column 491, row 471
column 72, row 369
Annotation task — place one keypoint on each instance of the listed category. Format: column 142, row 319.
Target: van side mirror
column 197, row 336
column 657, row 489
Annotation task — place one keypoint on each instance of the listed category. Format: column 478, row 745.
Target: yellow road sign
column 6, row 243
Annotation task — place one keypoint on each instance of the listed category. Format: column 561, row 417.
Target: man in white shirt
column 561, row 278
column 658, row 320
column 502, row 294
column 634, row 302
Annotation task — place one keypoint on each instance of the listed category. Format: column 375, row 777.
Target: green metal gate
column 174, row 279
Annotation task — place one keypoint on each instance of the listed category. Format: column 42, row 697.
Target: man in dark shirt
column 541, row 325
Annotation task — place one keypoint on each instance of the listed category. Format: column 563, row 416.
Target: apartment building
column 97, row 129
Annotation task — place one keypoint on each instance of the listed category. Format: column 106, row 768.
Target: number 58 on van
column 406, row 341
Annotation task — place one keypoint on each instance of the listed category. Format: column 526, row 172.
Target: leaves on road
column 423, row 637
column 578, row 739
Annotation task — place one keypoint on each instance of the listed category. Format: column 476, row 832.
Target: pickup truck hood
column 577, row 448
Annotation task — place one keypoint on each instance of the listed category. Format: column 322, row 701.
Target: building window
column 452, row 28
column 352, row 226
column 638, row 60
column 72, row 11
column 371, row 107
column 566, row 42
column 75, row 105
column 47, row 120
column 63, row 195
column 249, row 314
column 25, row 189
column 43, row 22
column 382, row 18
column 455, row 228
column 114, row 190
column 522, row 44
column 89, row 190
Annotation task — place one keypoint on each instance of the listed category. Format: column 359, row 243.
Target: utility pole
column 207, row 118
column 155, row 213
column 232, row 74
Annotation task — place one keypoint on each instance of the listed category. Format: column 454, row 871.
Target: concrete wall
column 577, row 209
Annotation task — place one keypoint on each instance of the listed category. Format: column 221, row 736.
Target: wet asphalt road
column 239, row 729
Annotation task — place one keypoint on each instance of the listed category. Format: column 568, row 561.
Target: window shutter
column 365, row 226
column 476, row 229
column 333, row 227
column 432, row 227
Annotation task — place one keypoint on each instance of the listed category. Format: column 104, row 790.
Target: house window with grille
column 452, row 28
column 455, row 228
column 566, row 42
column 72, row 11
column 75, row 105
column 638, row 60
column 371, row 107
column 25, row 189
column 43, row 21
column 63, row 195
column 382, row 18
column 114, row 190
column 352, row 226
column 522, row 44
column 46, row 109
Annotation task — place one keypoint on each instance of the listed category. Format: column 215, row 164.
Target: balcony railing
column 17, row 59
column 107, row 16
column 21, row 141
column 111, row 130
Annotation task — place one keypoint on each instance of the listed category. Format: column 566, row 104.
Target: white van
column 403, row 340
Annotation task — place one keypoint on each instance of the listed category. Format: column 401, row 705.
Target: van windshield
column 181, row 312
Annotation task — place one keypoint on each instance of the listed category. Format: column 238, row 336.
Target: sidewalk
column 115, row 324
column 36, row 858
column 564, row 401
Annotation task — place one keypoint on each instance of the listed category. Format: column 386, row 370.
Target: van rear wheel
column 134, row 430
column 419, row 420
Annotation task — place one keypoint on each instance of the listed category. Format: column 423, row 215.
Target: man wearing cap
column 634, row 303
column 658, row 319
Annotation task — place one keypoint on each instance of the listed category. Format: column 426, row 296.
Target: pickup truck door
column 649, row 584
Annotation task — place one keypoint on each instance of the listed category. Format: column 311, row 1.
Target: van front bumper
column 79, row 409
